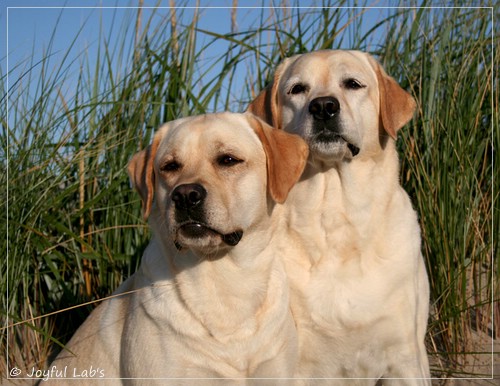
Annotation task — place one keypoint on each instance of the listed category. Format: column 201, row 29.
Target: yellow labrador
column 211, row 296
column 360, row 292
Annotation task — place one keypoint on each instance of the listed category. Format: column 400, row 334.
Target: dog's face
column 341, row 102
column 209, row 176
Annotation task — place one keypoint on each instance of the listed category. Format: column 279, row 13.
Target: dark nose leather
column 188, row 196
column 324, row 108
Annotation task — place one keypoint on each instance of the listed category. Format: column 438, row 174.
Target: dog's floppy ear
column 142, row 175
column 396, row 105
column 266, row 105
column 286, row 156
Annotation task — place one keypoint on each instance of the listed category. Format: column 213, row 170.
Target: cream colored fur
column 201, row 308
column 360, row 292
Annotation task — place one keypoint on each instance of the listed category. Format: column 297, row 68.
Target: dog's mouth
column 196, row 230
column 329, row 137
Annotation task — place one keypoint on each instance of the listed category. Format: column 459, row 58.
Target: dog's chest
column 353, row 258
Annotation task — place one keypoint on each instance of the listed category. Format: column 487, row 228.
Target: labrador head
column 341, row 102
column 206, row 178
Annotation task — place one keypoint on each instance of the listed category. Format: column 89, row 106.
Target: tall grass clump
column 74, row 225
column 448, row 170
column 75, row 229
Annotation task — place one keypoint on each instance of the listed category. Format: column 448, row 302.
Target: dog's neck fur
column 354, row 195
column 251, row 270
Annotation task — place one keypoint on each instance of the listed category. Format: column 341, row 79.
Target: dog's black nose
column 188, row 196
column 324, row 108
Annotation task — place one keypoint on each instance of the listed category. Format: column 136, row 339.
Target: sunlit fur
column 360, row 292
column 207, row 310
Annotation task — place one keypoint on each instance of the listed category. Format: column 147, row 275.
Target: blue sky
column 35, row 27
column 31, row 30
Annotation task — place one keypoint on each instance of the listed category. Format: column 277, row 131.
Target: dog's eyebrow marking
column 223, row 148
column 292, row 81
column 167, row 156
column 353, row 75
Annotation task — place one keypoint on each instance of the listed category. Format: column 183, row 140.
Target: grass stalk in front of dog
column 74, row 224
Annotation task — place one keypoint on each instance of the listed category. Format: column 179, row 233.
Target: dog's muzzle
column 325, row 112
column 188, row 200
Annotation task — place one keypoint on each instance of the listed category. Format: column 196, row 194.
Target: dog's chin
column 198, row 236
column 329, row 147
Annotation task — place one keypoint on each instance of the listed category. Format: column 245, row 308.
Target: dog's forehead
column 212, row 132
column 323, row 66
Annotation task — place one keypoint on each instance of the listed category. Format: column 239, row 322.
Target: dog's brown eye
column 170, row 166
column 228, row 160
column 297, row 89
column 353, row 84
